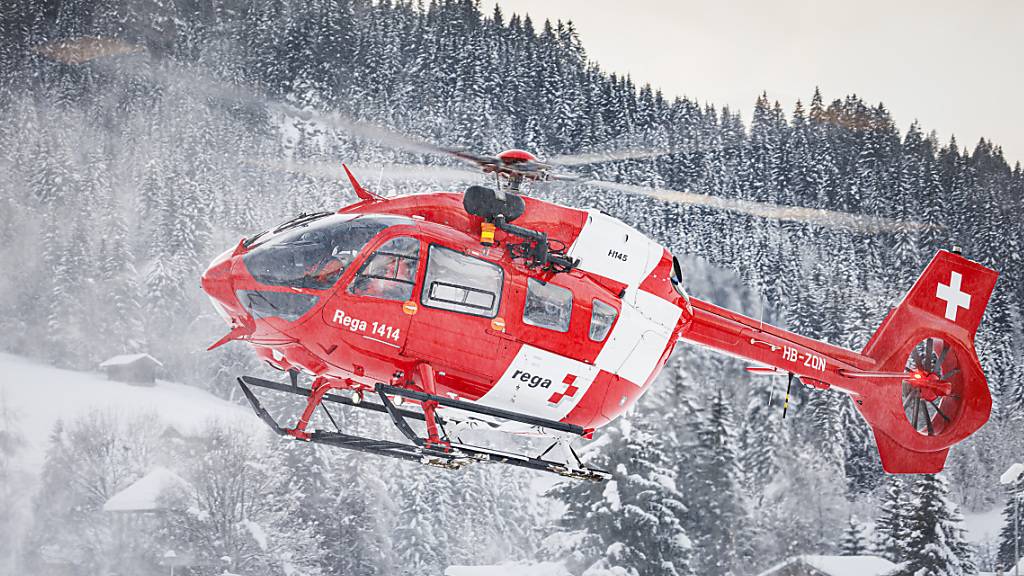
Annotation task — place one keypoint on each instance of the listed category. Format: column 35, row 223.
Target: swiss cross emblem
column 954, row 297
column 570, row 389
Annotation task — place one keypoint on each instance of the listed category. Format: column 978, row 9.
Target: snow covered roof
column 125, row 359
column 838, row 565
column 1013, row 474
column 1008, row 572
column 144, row 494
column 510, row 569
column 850, row 565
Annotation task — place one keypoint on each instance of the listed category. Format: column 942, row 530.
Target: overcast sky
column 956, row 66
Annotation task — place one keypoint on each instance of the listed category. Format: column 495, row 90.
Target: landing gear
column 438, row 448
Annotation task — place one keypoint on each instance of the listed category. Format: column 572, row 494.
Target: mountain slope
column 37, row 396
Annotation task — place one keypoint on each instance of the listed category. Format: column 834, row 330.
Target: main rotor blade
column 765, row 210
column 388, row 171
column 86, row 48
column 96, row 51
column 610, row 156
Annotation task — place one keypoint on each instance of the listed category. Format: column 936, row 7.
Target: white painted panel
column 628, row 330
column 661, row 312
column 639, row 337
column 615, row 250
column 536, row 377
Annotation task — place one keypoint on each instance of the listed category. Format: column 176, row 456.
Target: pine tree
column 11, row 521
column 1006, row 557
column 420, row 540
column 892, row 525
column 716, row 518
column 634, row 521
column 853, row 542
column 761, row 437
column 355, row 510
column 935, row 541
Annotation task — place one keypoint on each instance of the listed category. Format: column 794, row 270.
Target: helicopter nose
column 218, row 284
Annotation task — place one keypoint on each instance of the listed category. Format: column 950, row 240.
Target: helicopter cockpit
column 312, row 251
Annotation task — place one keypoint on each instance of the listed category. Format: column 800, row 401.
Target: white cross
column 954, row 297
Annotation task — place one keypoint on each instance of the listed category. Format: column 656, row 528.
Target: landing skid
column 443, row 452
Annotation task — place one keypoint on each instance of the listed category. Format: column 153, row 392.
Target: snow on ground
column 509, row 569
column 850, row 565
column 836, row 565
column 983, row 527
column 39, row 395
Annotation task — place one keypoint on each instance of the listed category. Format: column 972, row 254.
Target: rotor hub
column 516, row 156
column 930, row 385
column 933, row 387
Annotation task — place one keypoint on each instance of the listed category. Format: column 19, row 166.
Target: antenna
column 785, row 405
column 361, row 192
column 760, row 301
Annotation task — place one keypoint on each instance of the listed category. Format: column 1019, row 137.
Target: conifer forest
column 122, row 177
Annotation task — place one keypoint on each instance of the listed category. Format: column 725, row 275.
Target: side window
column 547, row 306
column 390, row 273
column 602, row 316
column 462, row 283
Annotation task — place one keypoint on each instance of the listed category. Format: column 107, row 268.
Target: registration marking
column 812, row 361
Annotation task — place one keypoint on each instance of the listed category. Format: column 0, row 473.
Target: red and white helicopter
column 490, row 309
column 555, row 324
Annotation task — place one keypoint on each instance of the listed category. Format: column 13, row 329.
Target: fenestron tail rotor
column 932, row 391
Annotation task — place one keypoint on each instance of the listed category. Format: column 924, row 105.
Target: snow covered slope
column 510, row 569
column 984, row 527
column 38, row 395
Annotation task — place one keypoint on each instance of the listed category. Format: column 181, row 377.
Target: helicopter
column 490, row 309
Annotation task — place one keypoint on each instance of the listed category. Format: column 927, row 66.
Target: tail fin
column 930, row 335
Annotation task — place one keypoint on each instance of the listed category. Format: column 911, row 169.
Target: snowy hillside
column 35, row 397
column 40, row 395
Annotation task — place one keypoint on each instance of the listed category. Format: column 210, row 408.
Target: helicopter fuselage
column 578, row 347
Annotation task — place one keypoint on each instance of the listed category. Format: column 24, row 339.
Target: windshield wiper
column 252, row 302
column 248, row 242
column 301, row 220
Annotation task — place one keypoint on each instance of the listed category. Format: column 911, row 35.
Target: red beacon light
column 516, row 155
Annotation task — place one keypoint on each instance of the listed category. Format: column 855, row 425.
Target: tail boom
column 918, row 382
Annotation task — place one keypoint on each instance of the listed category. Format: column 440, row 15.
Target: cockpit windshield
column 315, row 252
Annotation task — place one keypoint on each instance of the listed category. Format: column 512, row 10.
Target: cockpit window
column 547, row 306
column 313, row 253
column 391, row 272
